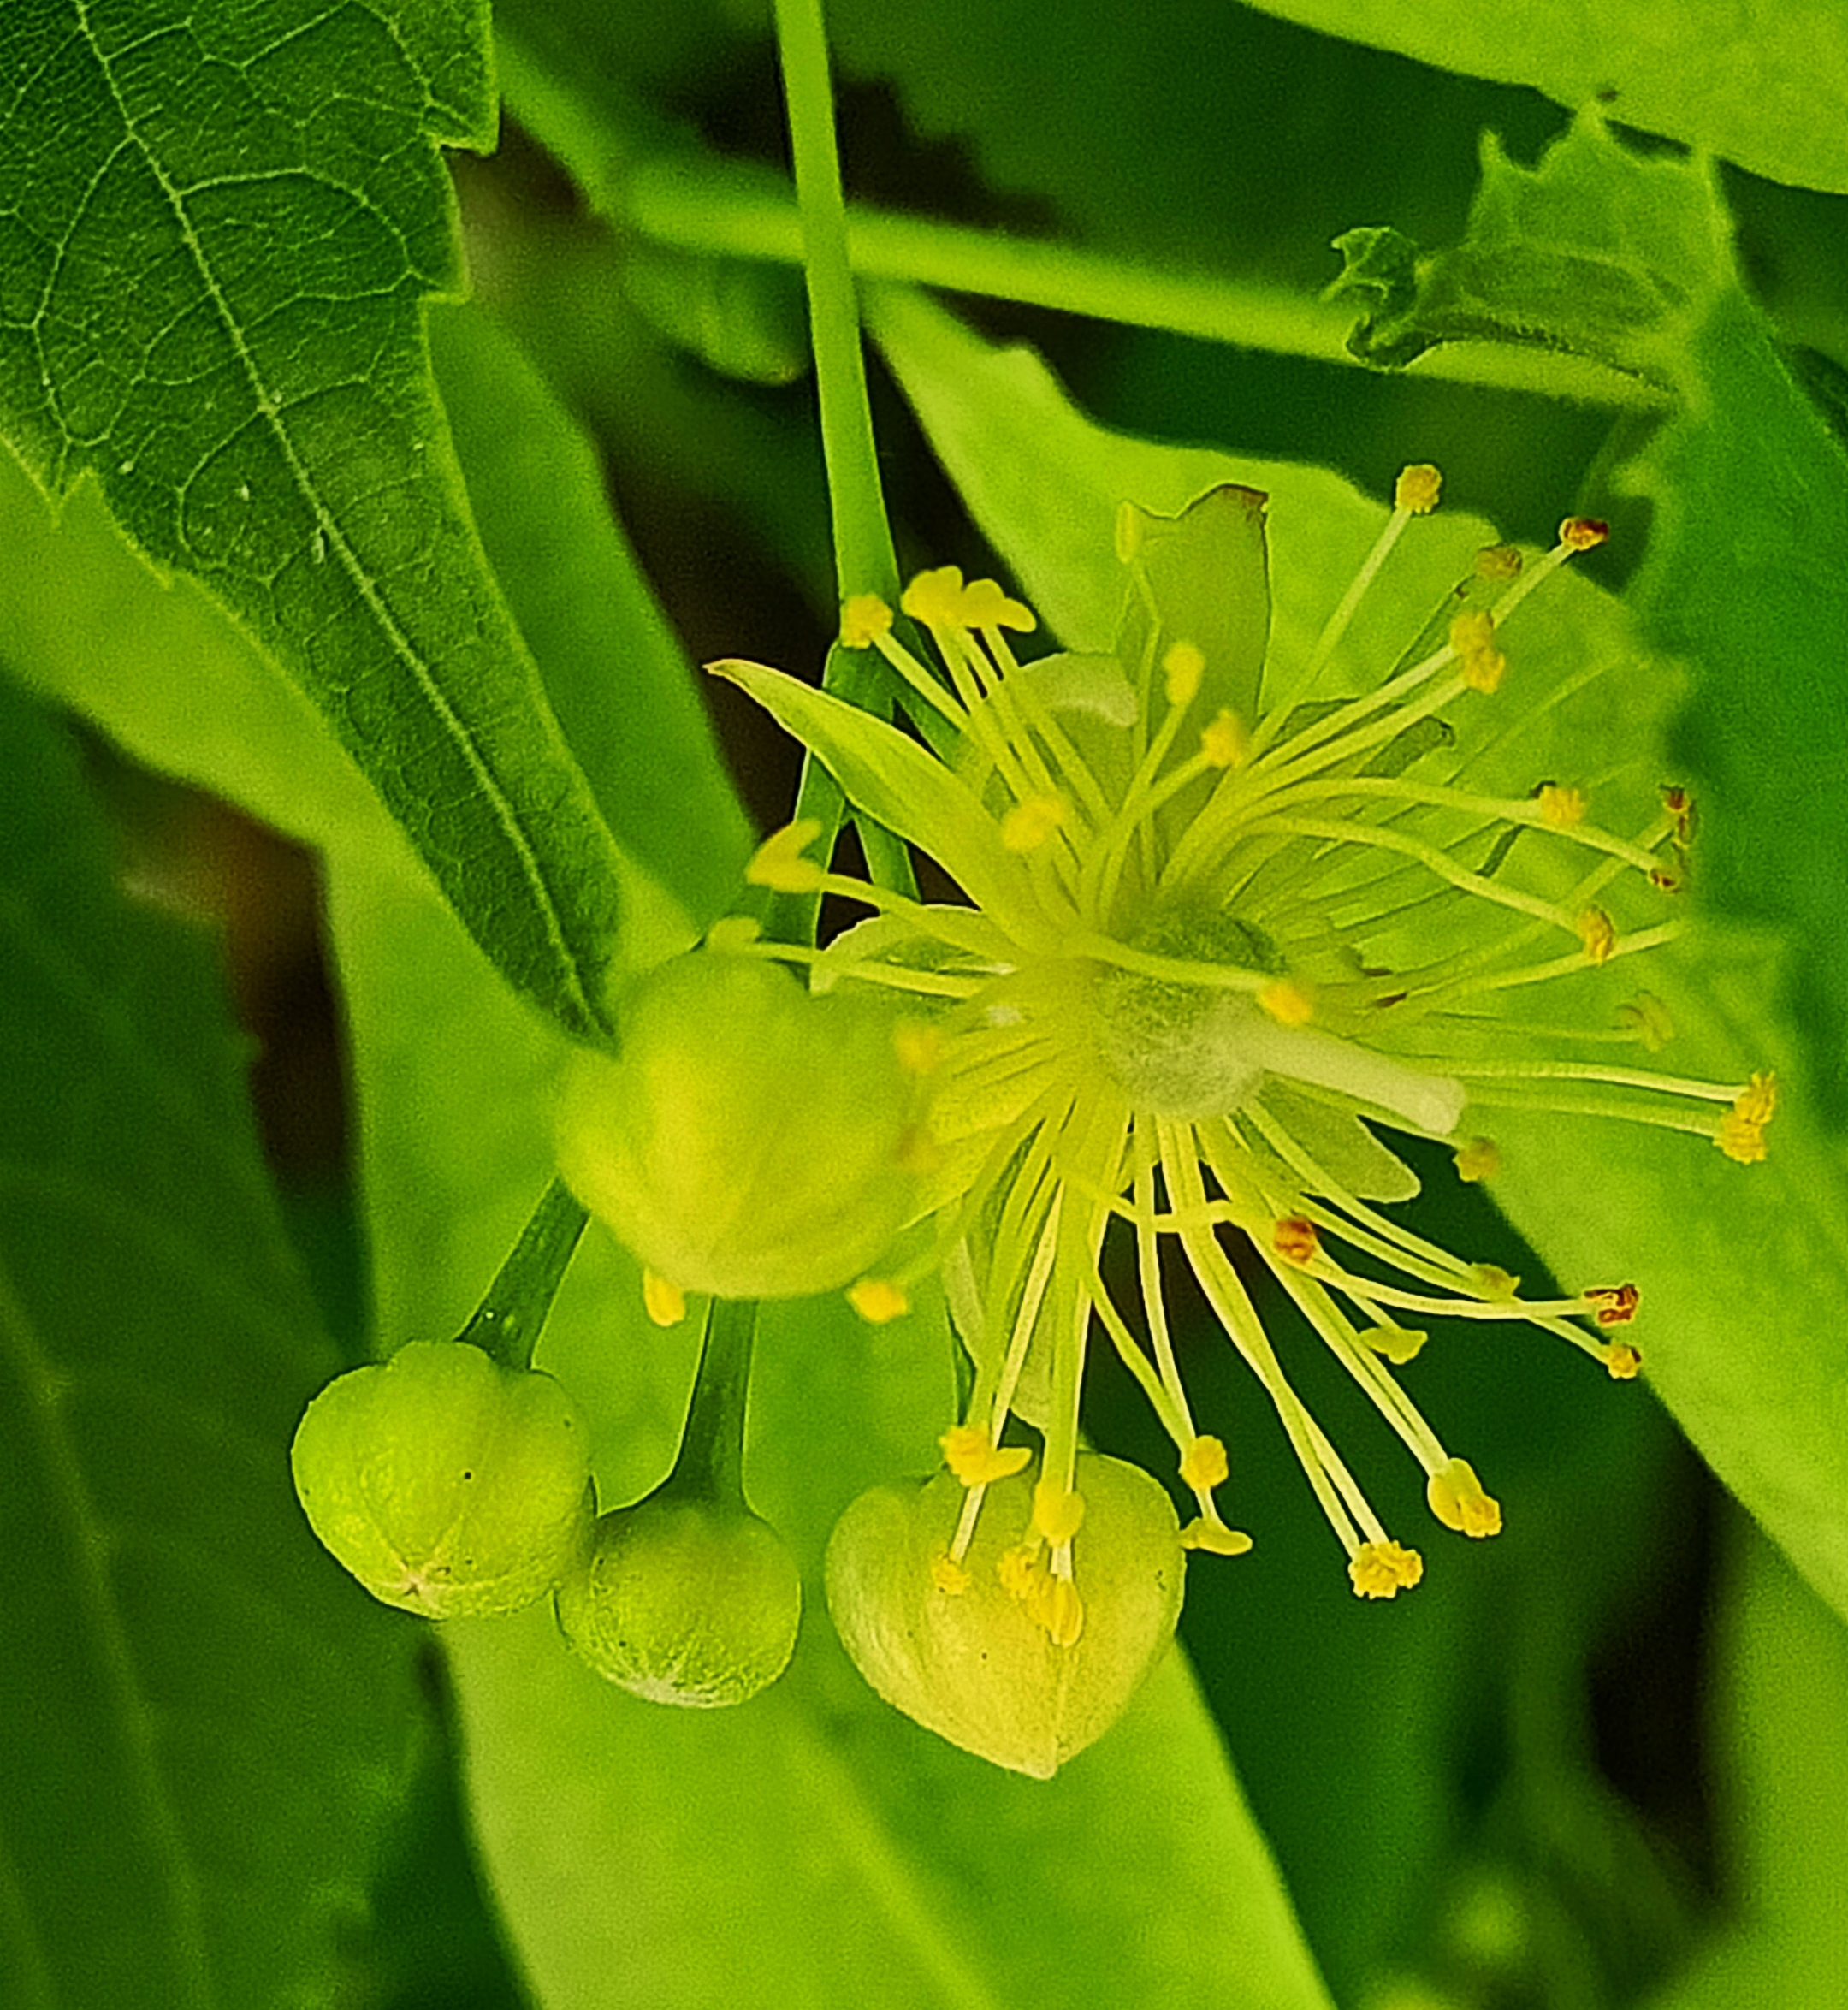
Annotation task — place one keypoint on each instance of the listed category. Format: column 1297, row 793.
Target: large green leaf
column 204, row 1725
column 1603, row 251
column 813, row 1848
column 165, row 673
column 1742, row 1269
column 1765, row 84
column 213, row 262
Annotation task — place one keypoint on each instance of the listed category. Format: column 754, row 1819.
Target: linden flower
column 1209, row 949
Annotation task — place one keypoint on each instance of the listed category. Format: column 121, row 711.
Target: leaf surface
column 1764, row 82
column 213, row 265
column 204, row 1725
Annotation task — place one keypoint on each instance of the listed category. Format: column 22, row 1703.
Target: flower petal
column 907, row 790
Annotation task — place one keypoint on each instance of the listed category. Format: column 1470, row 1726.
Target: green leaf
column 1781, row 1720
column 616, row 676
column 1604, row 253
column 1601, row 253
column 1762, row 85
column 811, row 1848
column 204, row 1724
column 212, row 273
column 165, row 672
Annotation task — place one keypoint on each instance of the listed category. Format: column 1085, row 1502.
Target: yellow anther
column 1560, row 808
column 985, row 606
column 935, row 597
column 879, row 1301
column 1215, row 1538
column 919, row 1046
column 1288, row 1003
column 1295, row 1241
column 1491, row 1281
column 778, row 864
column 1480, row 1159
column 1205, row 1466
column 949, row 1577
column 1020, row 1571
column 1483, row 670
column 1183, row 668
column 1470, row 631
column 1757, row 1102
column 664, row 1303
column 977, row 1461
column 1741, row 1140
column 1598, row 933
column 1498, row 561
column 733, row 933
column 1647, row 1018
column 919, row 1151
column 1057, row 1513
column 1418, row 489
column 1028, row 824
column 1381, row 1570
column 1397, row 1344
column 1583, row 533
column 1224, row 742
column 940, row 600
column 1622, row 1362
column 1456, row 1499
column 1059, row 1612
column 864, row 617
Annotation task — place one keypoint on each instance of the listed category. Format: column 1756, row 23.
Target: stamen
column 1456, row 1499
column 1560, row 809
column 1224, row 743
column 864, row 617
column 1478, row 1160
column 1057, row 1513
column 1028, row 825
column 879, row 1301
column 976, row 1460
column 665, row 1303
column 1398, row 1344
column 1384, row 1569
column 1622, row 1360
column 1418, row 489
column 1598, row 933
column 1205, row 1466
column 1183, row 668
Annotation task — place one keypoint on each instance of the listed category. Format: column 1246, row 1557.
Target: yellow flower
column 1209, row 950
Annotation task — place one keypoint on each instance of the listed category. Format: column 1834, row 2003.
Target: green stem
column 715, row 209
column 864, row 561
column 710, row 1464
column 509, row 1318
column 864, row 558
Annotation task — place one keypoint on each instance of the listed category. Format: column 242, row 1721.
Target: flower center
column 1181, row 1049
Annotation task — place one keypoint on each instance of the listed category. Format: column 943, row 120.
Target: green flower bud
column 684, row 1601
column 447, row 1484
column 1020, row 1649
column 750, row 1139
